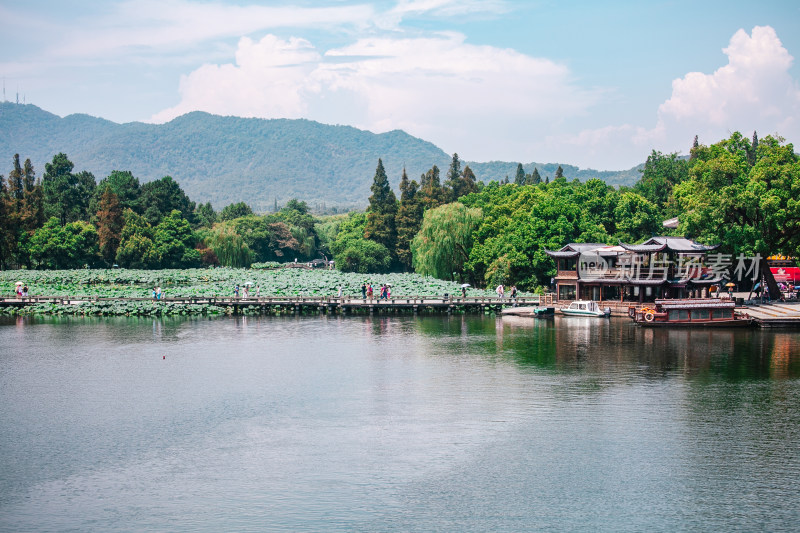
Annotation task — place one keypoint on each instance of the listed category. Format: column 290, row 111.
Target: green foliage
column 174, row 242
column 635, row 217
column 231, row 211
column 136, row 248
column 229, row 246
column 109, row 225
column 66, row 195
column 660, row 175
column 161, row 197
column 126, row 188
column 444, row 241
column 363, row 256
column 206, row 216
column 72, row 245
column 520, row 223
column 748, row 208
column 353, row 253
column 382, row 211
column 408, row 220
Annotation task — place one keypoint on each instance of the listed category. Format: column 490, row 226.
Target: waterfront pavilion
column 660, row 267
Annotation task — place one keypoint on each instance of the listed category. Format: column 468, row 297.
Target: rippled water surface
column 396, row 424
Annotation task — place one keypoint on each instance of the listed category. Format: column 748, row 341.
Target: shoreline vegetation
column 202, row 283
column 740, row 194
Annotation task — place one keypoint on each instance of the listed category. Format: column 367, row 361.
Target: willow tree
column 444, row 241
column 229, row 246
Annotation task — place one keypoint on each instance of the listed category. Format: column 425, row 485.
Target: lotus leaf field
column 219, row 282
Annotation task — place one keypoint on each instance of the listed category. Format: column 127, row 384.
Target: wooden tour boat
column 702, row 312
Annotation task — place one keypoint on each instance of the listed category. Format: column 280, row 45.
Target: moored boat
column 585, row 308
column 705, row 312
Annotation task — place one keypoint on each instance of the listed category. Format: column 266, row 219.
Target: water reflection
column 573, row 344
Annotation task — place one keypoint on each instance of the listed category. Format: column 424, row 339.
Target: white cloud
column 482, row 101
column 266, row 81
column 139, row 27
column 753, row 92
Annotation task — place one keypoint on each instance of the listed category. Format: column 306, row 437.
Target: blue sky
column 594, row 84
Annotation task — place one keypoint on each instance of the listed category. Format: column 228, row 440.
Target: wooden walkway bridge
column 305, row 304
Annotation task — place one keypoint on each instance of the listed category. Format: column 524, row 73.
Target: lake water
column 396, row 424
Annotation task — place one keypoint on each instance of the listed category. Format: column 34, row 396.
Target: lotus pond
column 218, row 282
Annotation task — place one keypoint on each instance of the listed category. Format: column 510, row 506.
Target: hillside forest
column 740, row 192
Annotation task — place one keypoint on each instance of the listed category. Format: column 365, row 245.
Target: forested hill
column 229, row 159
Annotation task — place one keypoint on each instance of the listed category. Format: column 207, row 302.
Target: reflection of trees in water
column 600, row 345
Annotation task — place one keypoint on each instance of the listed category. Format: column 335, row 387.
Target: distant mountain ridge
column 230, row 159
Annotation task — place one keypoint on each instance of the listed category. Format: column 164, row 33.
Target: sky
column 588, row 83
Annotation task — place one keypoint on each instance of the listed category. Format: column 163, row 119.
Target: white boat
column 585, row 308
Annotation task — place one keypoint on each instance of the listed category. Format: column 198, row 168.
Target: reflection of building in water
column 784, row 355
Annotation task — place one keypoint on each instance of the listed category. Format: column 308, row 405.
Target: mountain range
column 259, row 161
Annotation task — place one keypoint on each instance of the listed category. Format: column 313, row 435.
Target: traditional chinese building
column 661, row 267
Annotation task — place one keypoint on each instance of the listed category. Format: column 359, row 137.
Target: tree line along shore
column 739, row 192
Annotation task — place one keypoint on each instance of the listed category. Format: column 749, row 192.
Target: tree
column 749, row 209
column 559, row 173
column 174, row 242
column 229, row 246
column 363, row 256
column 231, row 211
column 453, row 175
column 636, row 218
column 444, row 241
column 535, row 179
column 136, row 248
column 430, row 190
column 58, row 246
column 16, row 189
column 660, row 175
column 109, row 225
column 353, row 253
column 126, row 187
column 8, row 238
column 162, row 196
column 519, row 177
column 382, row 211
column 66, row 195
column 751, row 154
column 466, row 184
column 206, row 216
column 32, row 215
column 408, row 220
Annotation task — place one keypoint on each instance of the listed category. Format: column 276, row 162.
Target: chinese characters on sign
column 593, row 266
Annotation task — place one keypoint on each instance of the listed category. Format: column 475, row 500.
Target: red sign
column 788, row 275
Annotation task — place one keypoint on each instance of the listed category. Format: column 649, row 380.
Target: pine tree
column 32, row 216
column 454, row 172
column 431, row 192
column 16, row 189
column 408, row 220
column 519, row 177
column 536, row 179
column 752, row 154
column 7, row 234
column 559, row 172
column 695, row 147
column 382, row 211
column 465, row 184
